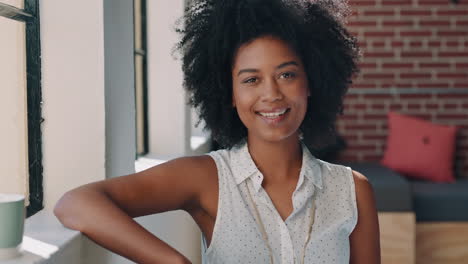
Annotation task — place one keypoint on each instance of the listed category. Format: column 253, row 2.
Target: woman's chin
column 277, row 136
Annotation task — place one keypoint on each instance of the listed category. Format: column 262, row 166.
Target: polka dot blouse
column 237, row 234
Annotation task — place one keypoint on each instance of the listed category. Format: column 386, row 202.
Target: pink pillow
column 420, row 149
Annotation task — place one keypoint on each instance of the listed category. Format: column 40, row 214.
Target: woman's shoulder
column 224, row 157
column 203, row 166
column 334, row 168
column 364, row 191
column 363, row 188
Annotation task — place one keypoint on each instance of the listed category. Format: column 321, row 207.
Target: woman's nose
column 271, row 91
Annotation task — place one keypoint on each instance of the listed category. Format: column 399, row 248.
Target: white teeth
column 273, row 114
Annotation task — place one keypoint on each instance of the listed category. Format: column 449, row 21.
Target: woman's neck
column 278, row 161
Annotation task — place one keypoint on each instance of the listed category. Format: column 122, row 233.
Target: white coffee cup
column 12, row 214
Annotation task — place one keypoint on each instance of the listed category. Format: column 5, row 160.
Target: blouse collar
column 244, row 167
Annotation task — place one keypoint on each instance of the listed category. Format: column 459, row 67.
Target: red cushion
column 420, row 149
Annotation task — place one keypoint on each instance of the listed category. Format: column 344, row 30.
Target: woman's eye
column 250, row 80
column 288, row 75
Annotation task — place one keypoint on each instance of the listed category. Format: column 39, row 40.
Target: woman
column 268, row 77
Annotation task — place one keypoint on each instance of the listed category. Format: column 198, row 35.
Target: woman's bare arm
column 365, row 239
column 103, row 210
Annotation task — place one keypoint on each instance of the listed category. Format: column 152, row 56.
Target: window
column 141, row 82
column 20, row 101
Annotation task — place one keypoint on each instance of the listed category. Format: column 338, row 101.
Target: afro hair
column 212, row 32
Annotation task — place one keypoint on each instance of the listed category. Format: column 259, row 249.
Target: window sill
column 46, row 240
column 199, row 145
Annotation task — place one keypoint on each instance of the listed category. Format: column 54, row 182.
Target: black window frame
column 30, row 16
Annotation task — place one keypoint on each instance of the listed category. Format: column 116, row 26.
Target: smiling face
column 270, row 89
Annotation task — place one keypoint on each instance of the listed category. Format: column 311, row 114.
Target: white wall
column 13, row 108
column 72, row 40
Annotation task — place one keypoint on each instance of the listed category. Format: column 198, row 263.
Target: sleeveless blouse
column 237, row 234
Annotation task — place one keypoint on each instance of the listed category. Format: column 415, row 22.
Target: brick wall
column 415, row 61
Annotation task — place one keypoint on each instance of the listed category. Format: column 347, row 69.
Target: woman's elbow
column 67, row 212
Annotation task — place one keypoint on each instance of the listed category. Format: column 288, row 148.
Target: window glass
column 140, row 77
column 140, row 109
column 138, row 24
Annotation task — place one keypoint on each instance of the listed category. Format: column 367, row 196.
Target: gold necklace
column 264, row 233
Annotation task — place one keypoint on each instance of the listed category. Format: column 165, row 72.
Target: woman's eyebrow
column 246, row 70
column 287, row 64
column 277, row 67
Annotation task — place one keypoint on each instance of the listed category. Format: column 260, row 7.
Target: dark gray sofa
column 430, row 201
column 440, row 202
